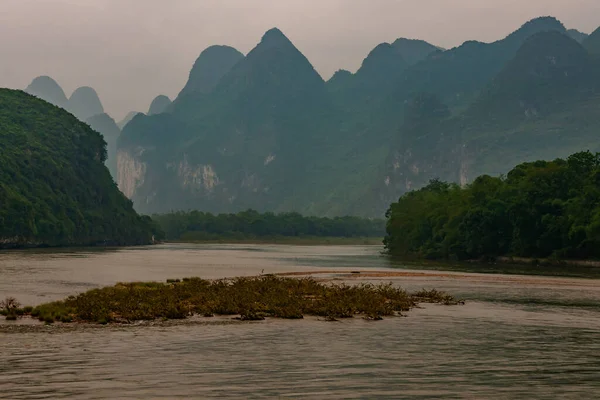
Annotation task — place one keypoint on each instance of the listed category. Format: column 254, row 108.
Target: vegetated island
column 540, row 210
column 250, row 226
column 55, row 189
column 250, row 299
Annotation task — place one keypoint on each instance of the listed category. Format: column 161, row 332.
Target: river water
column 517, row 336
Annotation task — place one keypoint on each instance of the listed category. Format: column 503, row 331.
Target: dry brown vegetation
column 248, row 298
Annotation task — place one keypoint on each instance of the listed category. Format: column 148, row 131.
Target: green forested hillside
column 252, row 224
column 539, row 209
column 54, row 186
column 272, row 136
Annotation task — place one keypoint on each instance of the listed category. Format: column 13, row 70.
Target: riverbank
column 547, row 262
column 589, row 269
column 289, row 240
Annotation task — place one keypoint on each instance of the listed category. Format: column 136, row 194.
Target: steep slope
column 550, row 71
column 85, row 103
column 241, row 146
column 592, row 43
column 121, row 124
column 54, row 187
column 542, row 105
column 373, row 113
column 159, row 105
column 212, row 64
column 271, row 135
column 458, row 74
column 47, row 89
column 107, row 126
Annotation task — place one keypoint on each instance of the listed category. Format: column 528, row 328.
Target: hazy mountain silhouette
column 209, row 68
column 271, row 135
column 414, row 50
column 47, row 89
column 85, row 103
column 121, row 124
column 159, row 105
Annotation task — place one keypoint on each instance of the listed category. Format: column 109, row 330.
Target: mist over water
column 516, row 337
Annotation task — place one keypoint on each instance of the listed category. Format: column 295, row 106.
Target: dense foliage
column 54, row 186
column 248, row 224
column 539, row 209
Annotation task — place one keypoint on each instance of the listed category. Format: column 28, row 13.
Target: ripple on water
column 519, row 338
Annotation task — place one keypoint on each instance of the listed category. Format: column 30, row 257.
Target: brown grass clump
column 251, row 299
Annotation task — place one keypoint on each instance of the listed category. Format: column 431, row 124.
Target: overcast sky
column 132, row 50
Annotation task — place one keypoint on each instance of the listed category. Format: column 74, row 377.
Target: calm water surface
column 517, row 337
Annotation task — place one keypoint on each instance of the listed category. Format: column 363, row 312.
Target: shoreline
column 510, row 260
column 291, row 240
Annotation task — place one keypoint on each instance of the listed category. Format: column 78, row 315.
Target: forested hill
column 539, row 209
column 264, row 131
column 250, row 224
column 54, row 186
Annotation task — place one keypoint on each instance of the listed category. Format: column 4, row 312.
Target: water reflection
column 517, row 336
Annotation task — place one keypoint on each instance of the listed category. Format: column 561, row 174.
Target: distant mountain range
column 85, row 104
column 265, row 131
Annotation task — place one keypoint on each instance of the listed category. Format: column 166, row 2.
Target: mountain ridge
column 273, row 136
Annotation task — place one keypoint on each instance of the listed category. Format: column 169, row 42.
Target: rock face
column 47, row 89
column 107, row 126
column 85, row 103
column 159, row 105
column 269, row 134
column 54, row 186
column 212, row 64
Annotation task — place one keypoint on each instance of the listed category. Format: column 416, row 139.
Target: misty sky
column 132, row 50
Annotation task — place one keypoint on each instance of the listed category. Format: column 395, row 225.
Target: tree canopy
column 539, row 209
column 54, row 186
column 251, row 223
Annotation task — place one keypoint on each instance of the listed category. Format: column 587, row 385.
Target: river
column 517, row 336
